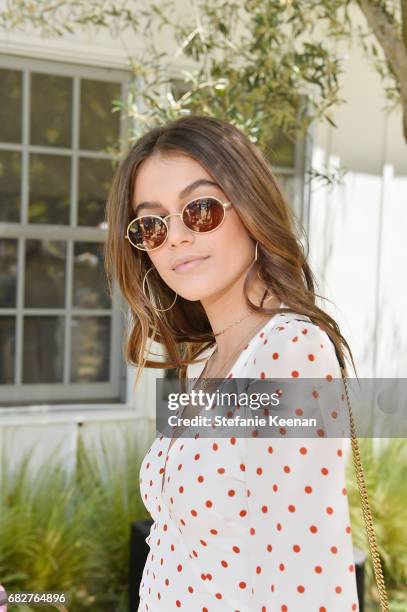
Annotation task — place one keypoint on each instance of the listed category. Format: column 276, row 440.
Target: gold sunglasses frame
column 226, row 206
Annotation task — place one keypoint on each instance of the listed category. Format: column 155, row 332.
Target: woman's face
column 228, row 250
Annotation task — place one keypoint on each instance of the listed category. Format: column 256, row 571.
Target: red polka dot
column 270, row 449
column 351, row 567
column 242, row 585
column 318, row 569
column 338, row 589
column 178, row 603
column 303, row 450
column 200, row 478
column 329, row 510
column 215, row 446
column 281, row 567
column 242, row 467
column 221, row 470
column 313, row 529
column 324, row 471
column 264, row 509
column 275, row 355
column 311, row 357
column 300, row 588
column 236, row 549
column 194, row 513
column 262, row 375
column 197, row 456
column 259, row 471
column 287, row 469
column 243, row 512
column 295, row 374
column 208, row 503
column 233, row 440
column 334, row 550
column 269, row 548
column 258, row 569
column 231, row 492
column 218, row 595
column 179, row 567
column 308, row 489
column 296, row 548
column 224, row 563
column 291, row 508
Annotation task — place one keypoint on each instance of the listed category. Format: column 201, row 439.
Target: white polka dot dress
column 252, row 524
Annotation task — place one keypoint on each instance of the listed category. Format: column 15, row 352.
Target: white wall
column 357, row 231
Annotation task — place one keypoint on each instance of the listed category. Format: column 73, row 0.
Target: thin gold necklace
column 205, row 381
column 232, row 324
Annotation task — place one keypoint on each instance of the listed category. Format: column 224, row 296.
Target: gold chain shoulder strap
column 366, row 510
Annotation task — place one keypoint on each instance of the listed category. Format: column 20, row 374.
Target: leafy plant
column 385, row 466
column 70, row 532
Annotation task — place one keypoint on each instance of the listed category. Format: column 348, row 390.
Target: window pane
column 45, row 274
column 10, row 105
column 43, row 349
column 90, row 349
column 95, row 176
column 51, row 110
column 7, row 349
column 99, row 127
column 49, row 189
column 10, row 171
column 90, row 287
column 8, row 273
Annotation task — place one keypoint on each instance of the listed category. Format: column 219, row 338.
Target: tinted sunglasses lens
column 147, row 233
column 203, row 214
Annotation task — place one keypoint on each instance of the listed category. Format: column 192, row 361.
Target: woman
column 205, row 250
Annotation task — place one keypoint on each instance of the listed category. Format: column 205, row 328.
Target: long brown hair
column 245, row 176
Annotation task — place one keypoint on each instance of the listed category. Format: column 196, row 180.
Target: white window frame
column 64, row 392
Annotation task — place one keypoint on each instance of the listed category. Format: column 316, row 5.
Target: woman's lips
column 189, row 265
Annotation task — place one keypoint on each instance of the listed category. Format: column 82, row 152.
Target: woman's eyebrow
column 182, row 194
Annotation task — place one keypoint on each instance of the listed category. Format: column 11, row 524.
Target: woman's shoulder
column 294, row 347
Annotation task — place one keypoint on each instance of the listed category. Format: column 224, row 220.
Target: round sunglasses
column 205, row 214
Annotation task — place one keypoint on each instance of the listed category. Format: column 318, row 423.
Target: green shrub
column 385, row 466
column 70, row 532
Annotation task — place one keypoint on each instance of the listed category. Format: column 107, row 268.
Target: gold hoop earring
column 255, row 259
column 157, row 309
column 258, row 275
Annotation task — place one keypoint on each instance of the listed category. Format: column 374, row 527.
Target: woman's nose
column 176, row 228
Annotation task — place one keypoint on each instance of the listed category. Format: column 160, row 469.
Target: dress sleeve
column 300, row 542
